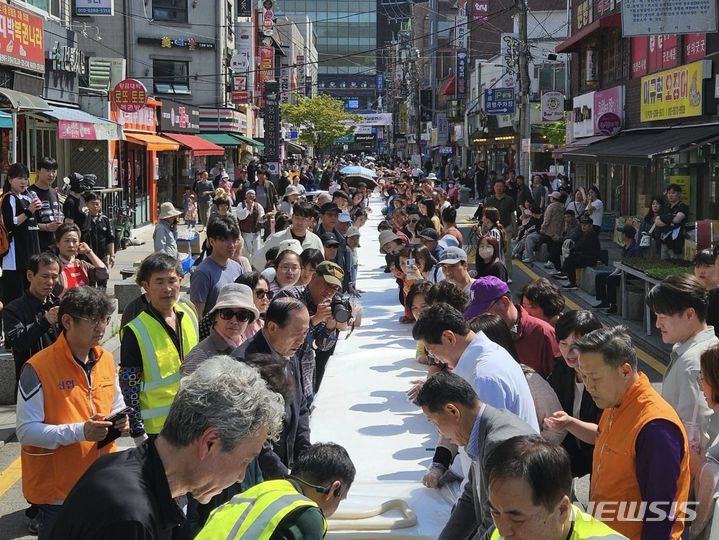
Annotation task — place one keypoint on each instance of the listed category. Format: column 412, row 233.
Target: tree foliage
column 320, row 120
column 555, row 132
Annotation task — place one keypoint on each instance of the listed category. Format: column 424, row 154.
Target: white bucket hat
column 236, row 296
column 168, row 210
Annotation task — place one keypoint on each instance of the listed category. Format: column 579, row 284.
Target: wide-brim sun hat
column 168, row 210
column 236, row 296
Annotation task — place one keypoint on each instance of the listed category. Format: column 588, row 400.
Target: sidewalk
column 124, row 259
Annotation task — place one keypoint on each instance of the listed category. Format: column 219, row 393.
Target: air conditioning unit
column 105, row 73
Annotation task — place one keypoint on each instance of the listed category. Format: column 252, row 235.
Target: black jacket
column 562, row 380
column 98, row 234
column 587, row 246
column 276, row 459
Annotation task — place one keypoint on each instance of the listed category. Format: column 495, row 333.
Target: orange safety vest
column 614, row 487
column 48, row 475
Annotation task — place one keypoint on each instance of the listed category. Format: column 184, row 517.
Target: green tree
column 555, row 132
column 321, row 120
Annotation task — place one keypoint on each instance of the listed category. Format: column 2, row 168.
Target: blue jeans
column 46, row 517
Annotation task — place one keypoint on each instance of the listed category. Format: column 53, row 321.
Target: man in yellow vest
column 529, row 484
column 64, row 395
column 296, row 507
column 154, row 344
column 640, row 474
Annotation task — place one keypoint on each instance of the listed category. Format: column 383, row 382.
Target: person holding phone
column 58, row 427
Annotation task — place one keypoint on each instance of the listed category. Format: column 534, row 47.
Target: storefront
column 137, row 159
column 181, row 123
column 228, row 128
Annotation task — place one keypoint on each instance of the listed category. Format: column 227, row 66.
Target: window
column 51, row 6
column 171, row 77
column 169, row 10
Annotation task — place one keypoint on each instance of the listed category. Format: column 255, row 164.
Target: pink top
column 252, row 329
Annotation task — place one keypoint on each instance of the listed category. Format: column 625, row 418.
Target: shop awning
column 638, row 147
column 198, row 145
column 21, row 102
column 578, row 144
column 248, row 140
column 77, row 124
column 449, row 87
column 572, row 44
column 293, row 148
column 220, row 139
column 153, row 142
column 5, row 120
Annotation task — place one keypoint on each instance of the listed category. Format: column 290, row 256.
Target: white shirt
column 596, row 212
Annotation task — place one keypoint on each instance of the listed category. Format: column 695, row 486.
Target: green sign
column 345, row 139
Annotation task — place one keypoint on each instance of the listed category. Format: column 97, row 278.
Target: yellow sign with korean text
column 685, row 181
column 673, row 93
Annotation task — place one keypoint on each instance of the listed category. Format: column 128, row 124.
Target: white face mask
column 486, row 253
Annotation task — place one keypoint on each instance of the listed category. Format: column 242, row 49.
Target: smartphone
column 112, row 432
column 411, row 262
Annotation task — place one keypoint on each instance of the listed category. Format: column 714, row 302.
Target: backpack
column 4, row 235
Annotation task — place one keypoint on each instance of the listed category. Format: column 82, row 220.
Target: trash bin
column 464, row 194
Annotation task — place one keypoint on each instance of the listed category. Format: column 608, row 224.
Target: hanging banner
column 244, row 8
column 460, row 29
column 663, row 52
column 461, row 81
column 480, row 10
column 640, row 45
column 285, row 91
column 266, row 71
column 650, row 17
column 695, row 47
column 674, row 93
column 552, row 106
column 271, row 94
column 608, row 111
column 379, row 83
column 21, row 39
column 509, row 53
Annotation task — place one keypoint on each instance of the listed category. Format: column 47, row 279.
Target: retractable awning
column 21, row 102
column 248, row 140
column 77, row 124
column 449, row 87
column 221, row 139
column 198, row 145
column 153, row 142
column 640, row 146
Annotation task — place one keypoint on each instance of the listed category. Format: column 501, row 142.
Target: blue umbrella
column 356, row 170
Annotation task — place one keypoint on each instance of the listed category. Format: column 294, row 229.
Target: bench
column 648, row 283
column 586, row 279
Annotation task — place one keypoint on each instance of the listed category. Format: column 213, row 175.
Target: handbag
column 645, row 240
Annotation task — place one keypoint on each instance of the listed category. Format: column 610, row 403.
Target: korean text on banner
column 21, row 39
column 674, row 93
column 649, row 17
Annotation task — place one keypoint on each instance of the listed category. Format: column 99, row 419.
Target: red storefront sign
column 695, row 47
column 21, row 39
column 267, row 69
column 480, row 10
column 653, row 53
column 129, row 95
column 240, row 97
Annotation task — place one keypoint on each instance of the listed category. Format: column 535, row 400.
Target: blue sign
column 499, row 101
column 380, row 82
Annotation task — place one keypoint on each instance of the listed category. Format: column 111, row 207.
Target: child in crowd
column 191, row 211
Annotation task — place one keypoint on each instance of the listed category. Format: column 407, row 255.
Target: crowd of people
column 216, row 388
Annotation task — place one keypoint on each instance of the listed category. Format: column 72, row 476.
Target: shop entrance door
column 137, row 183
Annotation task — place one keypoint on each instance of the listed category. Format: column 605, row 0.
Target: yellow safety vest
column 161, row 363
column 255, row 513
column 586, row 527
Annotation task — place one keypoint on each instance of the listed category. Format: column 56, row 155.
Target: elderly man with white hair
column 221, row 416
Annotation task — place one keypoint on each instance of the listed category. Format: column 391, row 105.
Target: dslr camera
column 341, row 308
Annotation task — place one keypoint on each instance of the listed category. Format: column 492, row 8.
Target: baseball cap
column 329, row 240
column 330, row 272
column 344, row 217
column 386, row 236
column 448, row 241
column 352, row 231
column 555, row 195
column 290, row 245
column 429, row 234
column 452, row 255
column 484, row 292
column 329, row 207
column 342, row 194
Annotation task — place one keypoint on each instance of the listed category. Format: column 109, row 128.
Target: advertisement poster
column 650, row 17
column 674, row 93
column 21, row 39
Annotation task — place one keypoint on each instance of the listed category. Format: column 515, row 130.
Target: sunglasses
column 261, row 294
column 241, row 316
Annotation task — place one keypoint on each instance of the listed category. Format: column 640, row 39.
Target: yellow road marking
column 9, row 476
column 648, row 359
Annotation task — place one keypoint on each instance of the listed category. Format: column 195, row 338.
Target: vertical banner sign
column 461, row 85
column 21, row 39
column 245, row 52
column 663, row 52
column 509, row 51
column 285, row 93
column 649, row 17
column 640, row 45
column 442, row 128
column 244, row 8
column 380, row 83
column 271, row 96
column 695, row 47
column 266, row 71
column 480, row 10
column 460, row 29
column 301, row 75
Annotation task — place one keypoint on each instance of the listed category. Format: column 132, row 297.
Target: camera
column 341, row 308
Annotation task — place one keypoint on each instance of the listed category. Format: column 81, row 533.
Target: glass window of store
column 171, row 76
column 170, row 10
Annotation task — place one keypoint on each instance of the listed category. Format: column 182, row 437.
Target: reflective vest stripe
column 155, row 412
column 268, row 516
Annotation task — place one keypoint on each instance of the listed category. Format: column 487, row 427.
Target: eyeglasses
column 414, row 221
column 262, row 293
column 287, row 268
column 241, row 315
column 96, row 322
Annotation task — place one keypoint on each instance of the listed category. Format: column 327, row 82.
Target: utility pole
column 525, row 121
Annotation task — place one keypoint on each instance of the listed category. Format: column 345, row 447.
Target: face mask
column 485, row 253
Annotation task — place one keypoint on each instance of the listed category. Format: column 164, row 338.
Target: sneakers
column 549, row 264
column 527, row 261
column 570, row 287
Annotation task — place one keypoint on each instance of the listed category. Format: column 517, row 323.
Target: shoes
column 569, row 287
column 548, row 264
column 527, row 261
column 560, row 276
